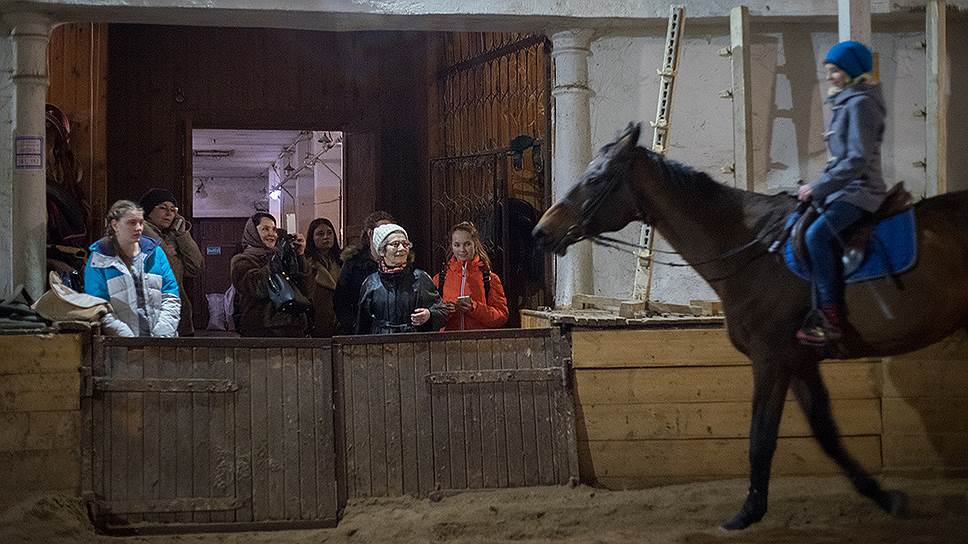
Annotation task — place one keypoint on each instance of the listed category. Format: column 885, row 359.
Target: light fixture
column 275, row 194
column 200, row 191
column 288, row 169
column 213, row 153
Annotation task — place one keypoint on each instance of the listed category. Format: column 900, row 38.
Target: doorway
column 294, row 175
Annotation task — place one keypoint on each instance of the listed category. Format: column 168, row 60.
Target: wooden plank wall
column 370, row 85
column 661, row 405
column 77, row 67
column 403, row 435
column 40, row 414
column 269, row 444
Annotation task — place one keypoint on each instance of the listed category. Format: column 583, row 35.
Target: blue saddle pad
column 891, row 249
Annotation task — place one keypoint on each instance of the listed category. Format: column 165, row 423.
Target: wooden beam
column 739, row 38
column 854, row 20
column 937, row 98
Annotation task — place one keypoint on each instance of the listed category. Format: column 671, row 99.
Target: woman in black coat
column 358, row 264
column 399, row 297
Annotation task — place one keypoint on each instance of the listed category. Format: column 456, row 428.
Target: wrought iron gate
column 493, row 89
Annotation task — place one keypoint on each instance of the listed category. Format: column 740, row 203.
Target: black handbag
column 285, row 297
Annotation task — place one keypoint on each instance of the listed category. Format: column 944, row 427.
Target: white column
column 936, row 33
column 29, row 32
column 571, row 151
column 7, row 115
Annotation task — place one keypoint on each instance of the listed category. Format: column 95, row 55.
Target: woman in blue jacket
column 132, row 272
column 851, row 186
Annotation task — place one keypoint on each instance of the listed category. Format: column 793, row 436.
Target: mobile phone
column 464, row 299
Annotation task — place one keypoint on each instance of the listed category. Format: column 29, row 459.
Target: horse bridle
column 591, row 208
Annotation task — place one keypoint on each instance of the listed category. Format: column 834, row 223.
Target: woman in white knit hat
column 399, row 297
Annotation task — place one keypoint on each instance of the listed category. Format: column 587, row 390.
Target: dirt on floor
column 815, row 510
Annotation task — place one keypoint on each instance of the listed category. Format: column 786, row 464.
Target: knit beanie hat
column 380, row 234
column 854, row 58
column 156, row 196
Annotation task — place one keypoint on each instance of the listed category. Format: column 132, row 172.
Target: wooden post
column 854, row 20
column 739, row 38
column 937, row 99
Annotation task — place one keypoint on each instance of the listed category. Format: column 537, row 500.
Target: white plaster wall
column 788, row 117
column 228, row 197
column 7, row 112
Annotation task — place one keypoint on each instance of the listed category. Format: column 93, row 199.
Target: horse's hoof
column 898, row 504
column 742, row 520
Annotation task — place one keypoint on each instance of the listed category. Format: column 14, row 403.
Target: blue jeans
column 825, row 250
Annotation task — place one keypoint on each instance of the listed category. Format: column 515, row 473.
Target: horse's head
column 601, row 202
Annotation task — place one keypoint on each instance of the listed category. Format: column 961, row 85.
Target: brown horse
column 724, row 234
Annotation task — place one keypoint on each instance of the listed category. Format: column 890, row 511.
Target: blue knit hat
column 854, row 58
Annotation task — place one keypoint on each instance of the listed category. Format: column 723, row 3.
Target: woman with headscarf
column 131, row 272
column 398, row 297
column 163, row 223
column 471, row 291
column 323, row 267
column 851, row 186
column 358, row 264
column 251, row 270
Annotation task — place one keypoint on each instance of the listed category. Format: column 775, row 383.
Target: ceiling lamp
column 213, row 153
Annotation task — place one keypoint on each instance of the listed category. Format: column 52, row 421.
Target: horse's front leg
column 813, row 397
column 770, row 383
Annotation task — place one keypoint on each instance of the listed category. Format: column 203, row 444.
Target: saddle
column 897, row 200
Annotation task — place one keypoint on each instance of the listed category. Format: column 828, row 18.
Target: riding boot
column 821, row 328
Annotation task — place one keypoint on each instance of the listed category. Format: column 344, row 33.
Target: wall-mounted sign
column 213, row 250
column 29, row 152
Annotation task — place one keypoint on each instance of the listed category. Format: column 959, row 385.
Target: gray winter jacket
column 854, row 135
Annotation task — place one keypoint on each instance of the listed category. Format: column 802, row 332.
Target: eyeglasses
column 400, row 244
column 170, row 209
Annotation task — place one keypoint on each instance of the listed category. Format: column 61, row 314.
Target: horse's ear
column 628, row 140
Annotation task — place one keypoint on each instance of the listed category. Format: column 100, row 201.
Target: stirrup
column 817, row 330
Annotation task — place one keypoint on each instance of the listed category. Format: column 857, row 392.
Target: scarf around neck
column 384, row 269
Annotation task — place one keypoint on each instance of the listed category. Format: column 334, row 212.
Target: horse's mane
column 766, row 210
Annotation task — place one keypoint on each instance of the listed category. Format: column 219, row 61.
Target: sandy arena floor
column 802, row 510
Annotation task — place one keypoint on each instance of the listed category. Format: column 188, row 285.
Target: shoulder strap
column 486, row 273
column 441, row 278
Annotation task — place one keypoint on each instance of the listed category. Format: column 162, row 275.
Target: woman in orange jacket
column 470, row 291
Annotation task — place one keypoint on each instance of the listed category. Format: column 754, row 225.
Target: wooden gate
column 209, row 434
column 417, row 413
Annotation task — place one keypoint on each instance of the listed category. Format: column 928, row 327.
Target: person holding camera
column 163, row 223
column 399, row 297
column 472, row 293
column 268, row 255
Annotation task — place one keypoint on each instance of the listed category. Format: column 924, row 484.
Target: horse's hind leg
column 812, row 394
column 770, row 383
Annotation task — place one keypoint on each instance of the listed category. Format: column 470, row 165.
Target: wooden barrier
column 39, row 413
column 210, row 433
column 661, row 404
column 468, row 410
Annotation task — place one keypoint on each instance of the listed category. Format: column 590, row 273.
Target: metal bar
column 493, row 376
column 212, row 342
column 433, row 337
column 185, row 385
column 491, row 55
column 195, row 504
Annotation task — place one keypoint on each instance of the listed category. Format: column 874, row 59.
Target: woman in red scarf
column 472, row 293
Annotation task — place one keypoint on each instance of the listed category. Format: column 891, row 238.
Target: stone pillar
column 29, row 32
column 571, row 151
